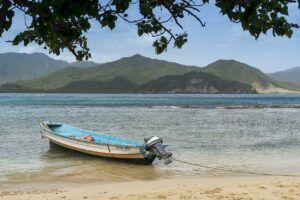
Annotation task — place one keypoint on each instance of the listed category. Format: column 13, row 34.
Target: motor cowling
column 154, row 146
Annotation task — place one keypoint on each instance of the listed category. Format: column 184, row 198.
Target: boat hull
column 130, row 153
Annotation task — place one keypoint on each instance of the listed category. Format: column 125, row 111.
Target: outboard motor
column 154, row 145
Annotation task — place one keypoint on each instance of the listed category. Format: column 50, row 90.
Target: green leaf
column 10, row 14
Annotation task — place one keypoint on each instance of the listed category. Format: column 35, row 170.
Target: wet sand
column 216, row 188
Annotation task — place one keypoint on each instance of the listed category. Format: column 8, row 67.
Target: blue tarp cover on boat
column 71, row 131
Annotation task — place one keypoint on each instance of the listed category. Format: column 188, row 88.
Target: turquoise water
column 139, row 100
column 247, row 132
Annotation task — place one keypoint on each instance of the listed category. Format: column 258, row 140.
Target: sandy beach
column 218, row 188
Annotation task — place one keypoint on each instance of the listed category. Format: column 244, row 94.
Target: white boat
column 99, row 144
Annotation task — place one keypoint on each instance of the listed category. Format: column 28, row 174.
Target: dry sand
column 218, row 188
column 271, row 89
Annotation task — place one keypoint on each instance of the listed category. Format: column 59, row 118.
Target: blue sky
column 219, row 39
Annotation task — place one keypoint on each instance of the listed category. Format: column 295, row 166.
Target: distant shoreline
column 57, row 92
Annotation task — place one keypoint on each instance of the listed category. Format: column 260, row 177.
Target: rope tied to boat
column 234, row 171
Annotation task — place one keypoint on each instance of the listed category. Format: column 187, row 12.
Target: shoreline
column 218, row 188
column 262, row 91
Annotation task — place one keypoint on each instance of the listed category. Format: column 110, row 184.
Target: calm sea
column 244, row 132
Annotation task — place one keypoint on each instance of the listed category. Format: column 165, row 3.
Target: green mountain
column 194, row 82
column 236, row 71
column 83, row 64
column 16, row 88
column 290, row 75
column 115, row 85
column 191, row 82
column 136, row 69
column 23, row 66
column 139, row 74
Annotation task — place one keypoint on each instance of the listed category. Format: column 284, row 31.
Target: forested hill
column 23, row 66
column 139, row 74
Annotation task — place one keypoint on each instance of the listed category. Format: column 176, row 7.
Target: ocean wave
column 225, row 107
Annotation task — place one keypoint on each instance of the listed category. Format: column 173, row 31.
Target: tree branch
column 3, row 12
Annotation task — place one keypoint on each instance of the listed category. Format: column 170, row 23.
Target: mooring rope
column 234, row 171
